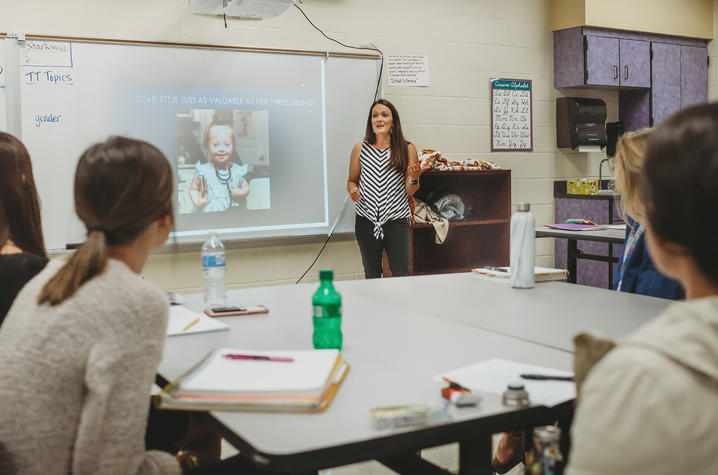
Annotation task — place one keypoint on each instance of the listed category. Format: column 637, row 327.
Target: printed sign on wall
column 407, row 70
column 511, row 115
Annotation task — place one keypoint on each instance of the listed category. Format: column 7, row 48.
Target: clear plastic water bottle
column 545, row 457
column 213, row 260
column 523, row 247
column 327, row 303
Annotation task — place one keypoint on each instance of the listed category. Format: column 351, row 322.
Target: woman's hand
column 414, row 171
column 354, row 194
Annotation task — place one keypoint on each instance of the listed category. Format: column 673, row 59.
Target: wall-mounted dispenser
column 614, row 131
column 580, row 123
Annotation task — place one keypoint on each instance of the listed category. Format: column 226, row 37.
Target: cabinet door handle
column 615, row 72
column 625, row 72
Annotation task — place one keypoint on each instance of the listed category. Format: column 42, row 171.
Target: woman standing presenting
column 384, row 172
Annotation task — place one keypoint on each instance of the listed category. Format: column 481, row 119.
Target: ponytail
column 88, row 261
column 121, row 187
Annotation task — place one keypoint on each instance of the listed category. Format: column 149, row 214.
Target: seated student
column 80, row 346
column 649, row 405
column 22, row 249
column 635, row 272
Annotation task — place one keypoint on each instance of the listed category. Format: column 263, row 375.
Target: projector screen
column 258, row 142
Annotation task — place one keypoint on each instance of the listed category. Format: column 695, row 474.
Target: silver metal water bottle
column 523, row 247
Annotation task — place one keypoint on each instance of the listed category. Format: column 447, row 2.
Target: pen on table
column 546, row 377
column 455, row 385
column 189, row 325
column 281, row 359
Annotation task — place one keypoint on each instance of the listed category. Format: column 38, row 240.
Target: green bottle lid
column 326, row 275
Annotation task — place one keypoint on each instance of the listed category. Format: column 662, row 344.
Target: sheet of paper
column 181, row 316
column 493, row 376
column 620, row 227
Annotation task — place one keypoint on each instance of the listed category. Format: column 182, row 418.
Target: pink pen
column 282, row 359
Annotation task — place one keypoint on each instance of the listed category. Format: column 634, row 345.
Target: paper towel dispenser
column 580, row 122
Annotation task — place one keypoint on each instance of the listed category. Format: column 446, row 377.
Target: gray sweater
column 75, row 378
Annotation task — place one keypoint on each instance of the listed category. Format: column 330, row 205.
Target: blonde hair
column 630, row 152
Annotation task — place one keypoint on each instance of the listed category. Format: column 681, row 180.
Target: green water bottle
column 327, row 305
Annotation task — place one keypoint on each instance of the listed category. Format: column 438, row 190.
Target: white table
column 610, row 236
column 397, row 336
column 549, row 314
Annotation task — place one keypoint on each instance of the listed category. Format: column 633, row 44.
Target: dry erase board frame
column 340, row 68
column 511, row 89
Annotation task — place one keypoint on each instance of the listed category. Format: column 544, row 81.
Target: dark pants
column 395, row 242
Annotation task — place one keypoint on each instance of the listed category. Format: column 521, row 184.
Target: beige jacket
column 650, row 406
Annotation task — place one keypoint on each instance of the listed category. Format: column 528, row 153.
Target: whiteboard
column 305, row 111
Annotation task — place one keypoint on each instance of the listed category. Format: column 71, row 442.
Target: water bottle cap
column 523, row 207
column 326, row 275
column 515, row 395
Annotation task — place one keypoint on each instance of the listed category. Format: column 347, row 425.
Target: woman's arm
column 197, row 191
column 354, row 173
column 413, row 171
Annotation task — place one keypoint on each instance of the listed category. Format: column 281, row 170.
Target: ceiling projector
column 255, row 9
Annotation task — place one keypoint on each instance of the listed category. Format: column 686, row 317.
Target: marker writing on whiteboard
column 48, row 76
column 49, row 119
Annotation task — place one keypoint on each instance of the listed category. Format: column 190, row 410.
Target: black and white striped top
column 382, row 189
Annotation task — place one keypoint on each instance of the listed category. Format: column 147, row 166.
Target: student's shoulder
column 131, row 289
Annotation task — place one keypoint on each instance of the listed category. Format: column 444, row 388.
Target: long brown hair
column 399, row 146
column 630, row 152
column 20, row 206
column 121, row 187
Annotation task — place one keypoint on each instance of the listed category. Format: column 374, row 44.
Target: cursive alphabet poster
column 511, row 115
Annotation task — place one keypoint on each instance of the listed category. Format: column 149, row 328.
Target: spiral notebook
column 542, row 274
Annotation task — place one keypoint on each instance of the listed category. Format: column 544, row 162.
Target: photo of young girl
column 223, row 160
column 220, row 183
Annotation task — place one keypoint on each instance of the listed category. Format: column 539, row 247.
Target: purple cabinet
column 602, row 61
column 694, row 75
column 599, row 210
column 680, row 78
column 598, row 59
column 666, row 77
column 657, row 74
column 635, row 60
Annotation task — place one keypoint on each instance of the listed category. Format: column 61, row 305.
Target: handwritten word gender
column 50, row 119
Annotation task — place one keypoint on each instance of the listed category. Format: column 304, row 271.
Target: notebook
column 575, row 227
column 238, row 380
column 542, row 274
column 181, row 318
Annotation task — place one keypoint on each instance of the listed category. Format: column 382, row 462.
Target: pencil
column 189, row 325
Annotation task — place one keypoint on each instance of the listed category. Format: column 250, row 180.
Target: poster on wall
column 511, row 115
column 408, row 70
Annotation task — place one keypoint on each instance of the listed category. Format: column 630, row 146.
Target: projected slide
column 246, row 160
column 216, row 149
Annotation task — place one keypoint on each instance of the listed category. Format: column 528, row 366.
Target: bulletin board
column 511, row 115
